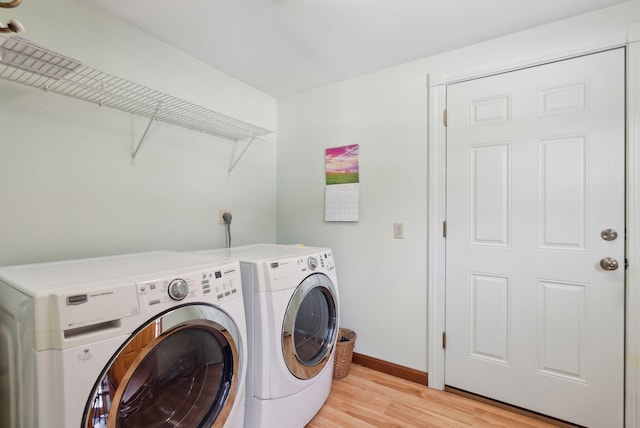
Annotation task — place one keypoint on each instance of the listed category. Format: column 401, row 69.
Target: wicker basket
column 344, row 352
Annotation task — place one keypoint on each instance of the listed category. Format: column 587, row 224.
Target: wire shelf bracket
column 27, row 63
column 134, row 153
column 232, row 162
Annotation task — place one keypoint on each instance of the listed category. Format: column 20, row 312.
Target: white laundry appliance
column 142, row 340
column 292, row 309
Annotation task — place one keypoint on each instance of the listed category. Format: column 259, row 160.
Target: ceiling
column 285, row 46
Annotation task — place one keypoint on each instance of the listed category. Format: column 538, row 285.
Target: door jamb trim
column 632, row 333
column 436, row 242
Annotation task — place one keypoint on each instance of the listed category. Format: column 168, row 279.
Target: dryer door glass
column 183, row 376
column 310, row 326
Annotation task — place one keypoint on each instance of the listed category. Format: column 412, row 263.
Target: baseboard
column 393, row 369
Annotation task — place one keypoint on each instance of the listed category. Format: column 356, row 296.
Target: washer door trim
column 307, row 368
column 215, row 340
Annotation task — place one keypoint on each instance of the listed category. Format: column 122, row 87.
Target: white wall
column 383, row 282
column 67, row 186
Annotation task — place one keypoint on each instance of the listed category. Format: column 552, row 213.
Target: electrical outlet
column 398, row 230
column 221, row 212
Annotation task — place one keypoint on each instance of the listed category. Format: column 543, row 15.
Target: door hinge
column 444, row 340
column 444, row 117
column 444, row 229
column 626, row 263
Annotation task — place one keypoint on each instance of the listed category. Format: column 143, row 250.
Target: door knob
column 609, row 263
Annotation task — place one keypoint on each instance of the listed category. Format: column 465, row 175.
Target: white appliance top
column 263, row 252
column 43, row 278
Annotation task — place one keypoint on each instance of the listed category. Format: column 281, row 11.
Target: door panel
column 563, row 350
column 535, row 172
column 489, row 296
column 562, row 192
column 490, row 180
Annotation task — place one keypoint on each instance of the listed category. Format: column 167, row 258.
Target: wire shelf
column 25, row 62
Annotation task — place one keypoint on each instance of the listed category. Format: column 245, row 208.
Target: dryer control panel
column 287, row 273
column 322, row 262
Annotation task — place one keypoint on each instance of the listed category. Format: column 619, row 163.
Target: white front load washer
column 142, row 340
column 292, row 309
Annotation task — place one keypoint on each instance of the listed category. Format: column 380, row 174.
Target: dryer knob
column 178, row 289
column 313, row 263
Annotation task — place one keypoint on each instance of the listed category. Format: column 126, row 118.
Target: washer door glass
column 183, row 375
column 310, row 326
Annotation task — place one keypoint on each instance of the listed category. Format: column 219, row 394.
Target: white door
column 535, row 174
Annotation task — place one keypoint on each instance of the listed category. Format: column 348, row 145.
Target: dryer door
column 180, row 369
column 310, row 326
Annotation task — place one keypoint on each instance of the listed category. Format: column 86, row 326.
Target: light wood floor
column 368, row 398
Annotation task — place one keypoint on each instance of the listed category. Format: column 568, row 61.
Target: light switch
column 398, row 230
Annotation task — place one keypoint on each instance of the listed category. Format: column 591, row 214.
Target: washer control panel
column 216, row 285
column 178, row 289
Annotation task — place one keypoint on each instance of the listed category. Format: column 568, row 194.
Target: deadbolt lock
column 609, row 234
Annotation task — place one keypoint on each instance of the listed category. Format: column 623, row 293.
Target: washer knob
column 313, row 263
column 178, row 289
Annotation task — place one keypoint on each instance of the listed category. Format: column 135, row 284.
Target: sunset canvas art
column 342, row 166
column 342, row 183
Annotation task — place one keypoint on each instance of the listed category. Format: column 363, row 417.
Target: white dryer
column 292, row 309
column 143, row 340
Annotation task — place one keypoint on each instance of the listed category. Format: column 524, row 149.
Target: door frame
column 437, row 97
